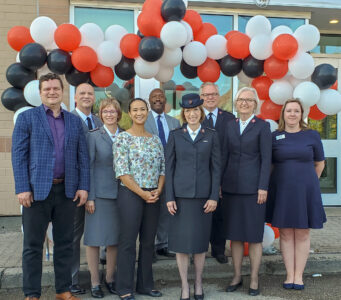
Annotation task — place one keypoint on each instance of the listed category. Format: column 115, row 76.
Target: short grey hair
column 248, row 89
column 208, row 84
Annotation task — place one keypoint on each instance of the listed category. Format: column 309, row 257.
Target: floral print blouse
column 139, row 156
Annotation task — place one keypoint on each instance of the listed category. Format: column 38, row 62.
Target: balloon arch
column 274, row 61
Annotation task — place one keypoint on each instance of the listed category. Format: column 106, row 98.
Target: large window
column 329, row 44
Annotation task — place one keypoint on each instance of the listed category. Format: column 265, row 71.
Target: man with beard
column 160, row 124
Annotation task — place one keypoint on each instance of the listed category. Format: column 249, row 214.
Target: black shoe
column 152, row 293
column 253, row 292
column 75, row 289
column 231, row 288
column 221, row 258
column 199, row 297
column 189, row 295
column 96, row 292
column 111, row 287
column 128, row 297
column 165, row 252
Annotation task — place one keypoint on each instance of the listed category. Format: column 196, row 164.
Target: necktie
column 210, row 120
column 161, row 131
column 88, row 120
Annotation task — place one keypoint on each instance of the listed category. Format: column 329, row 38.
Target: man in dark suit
column 51, row 171
column 84, row 98
column 161, row 124
column 215, row 118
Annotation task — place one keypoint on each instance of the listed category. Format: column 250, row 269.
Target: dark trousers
column 161, row 240
column 136, row 218
column 217, row 239
column 60, row 210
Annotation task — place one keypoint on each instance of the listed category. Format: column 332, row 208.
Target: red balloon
column 206, row 30
column 193, row 18
column 67, row 37
column 102, row 76
column 262, row 85
column 84, row 59
column 334, row 86
column 270, row 110
column 275, row 68
column 130, row 45
column 284, row 46
column 316, row 114
column 275, row 229
column 238, row 45
column 209, row 71
column 18, row 37
column 260, row 117
column 230, row 33
column 150, row 23
column 152, row 6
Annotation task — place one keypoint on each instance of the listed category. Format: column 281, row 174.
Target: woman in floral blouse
column 140, row 166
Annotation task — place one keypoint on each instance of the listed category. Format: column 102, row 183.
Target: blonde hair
column 302, row 123
column 182, row 114
column 248, row 89
column 110, row 101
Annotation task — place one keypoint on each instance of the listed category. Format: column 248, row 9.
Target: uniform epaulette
column 95, row 129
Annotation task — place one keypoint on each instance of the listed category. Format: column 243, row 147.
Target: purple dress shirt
column 57, row 127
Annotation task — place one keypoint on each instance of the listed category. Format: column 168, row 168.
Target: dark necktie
column 88, row 120
column 162, row 135
column 210, row 120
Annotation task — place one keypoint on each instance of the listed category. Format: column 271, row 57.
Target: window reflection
column 329, row 44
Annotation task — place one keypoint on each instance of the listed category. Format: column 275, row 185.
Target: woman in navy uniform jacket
column 246, row 169
column 192, row 189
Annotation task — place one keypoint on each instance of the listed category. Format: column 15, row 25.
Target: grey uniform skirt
column 190, row 227
column 102, row 227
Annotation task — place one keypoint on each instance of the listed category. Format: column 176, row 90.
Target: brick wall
column 12, row 13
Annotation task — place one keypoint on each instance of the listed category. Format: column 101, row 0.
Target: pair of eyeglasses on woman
column 246, row 100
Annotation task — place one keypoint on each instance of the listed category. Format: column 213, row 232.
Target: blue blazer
column 246, row 157
column 32, row 154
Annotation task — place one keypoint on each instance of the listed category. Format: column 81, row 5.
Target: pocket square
column 205, row 141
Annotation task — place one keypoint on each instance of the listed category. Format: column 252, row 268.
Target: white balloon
column 32, row 94
column 115, row 33
column 258, row 25
column 92, row 35
column 173, row 34
column 307, row 36
column 146, row 69
column 244, row 79
column 165, row 74
column 268, row 237
column 109, row 54
column 273, row 124
column 330, row 102
column 308, row 93
column 52, row 46
column 42, row 30
column 19, row 111
column 216, row 46
column 261, row 46
column 280, row 91
column 189, row 32
column 281, row 29
column 17, row 58
column 171, row 57
column 301, row 65
column 194, row 54
column 294, row 81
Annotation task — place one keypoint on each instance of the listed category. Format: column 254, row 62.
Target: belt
column 57, row 180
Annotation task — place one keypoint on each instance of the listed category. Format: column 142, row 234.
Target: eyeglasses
column 246, row 100
column 210, row 95
column 109, row 112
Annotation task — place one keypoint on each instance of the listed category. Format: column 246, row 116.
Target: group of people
column 177, row 188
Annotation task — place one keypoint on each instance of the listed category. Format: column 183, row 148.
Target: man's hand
column 90, row 206
column 25, row 199
column 82, row 195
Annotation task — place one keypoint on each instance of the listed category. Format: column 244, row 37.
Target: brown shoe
column 31, row 298
column 66, row 296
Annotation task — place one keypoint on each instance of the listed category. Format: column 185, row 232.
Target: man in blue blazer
column 217, row 119
column 51, row 172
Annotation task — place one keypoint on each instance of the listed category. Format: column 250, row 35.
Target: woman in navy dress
column 295, row 203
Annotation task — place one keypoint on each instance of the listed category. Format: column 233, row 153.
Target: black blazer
column 193, row 168
column 246, row 157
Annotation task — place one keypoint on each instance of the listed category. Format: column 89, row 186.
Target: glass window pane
column 329, row 44
column 122, row 90
column 326, row 127
column 329, row 176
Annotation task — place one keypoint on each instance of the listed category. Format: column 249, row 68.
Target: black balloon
column 33, row 56
column 151, row 48
column 230, row 66
column 173, row 10
column 13, row 99
column 75, row 77
column 59, row 61
column 140, row 34
column 187, row 70
column 18, row 76
column 253, row 67
column 324, row 76
column 125, row 68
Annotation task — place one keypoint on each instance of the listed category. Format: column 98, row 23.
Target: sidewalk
column 324, row 259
